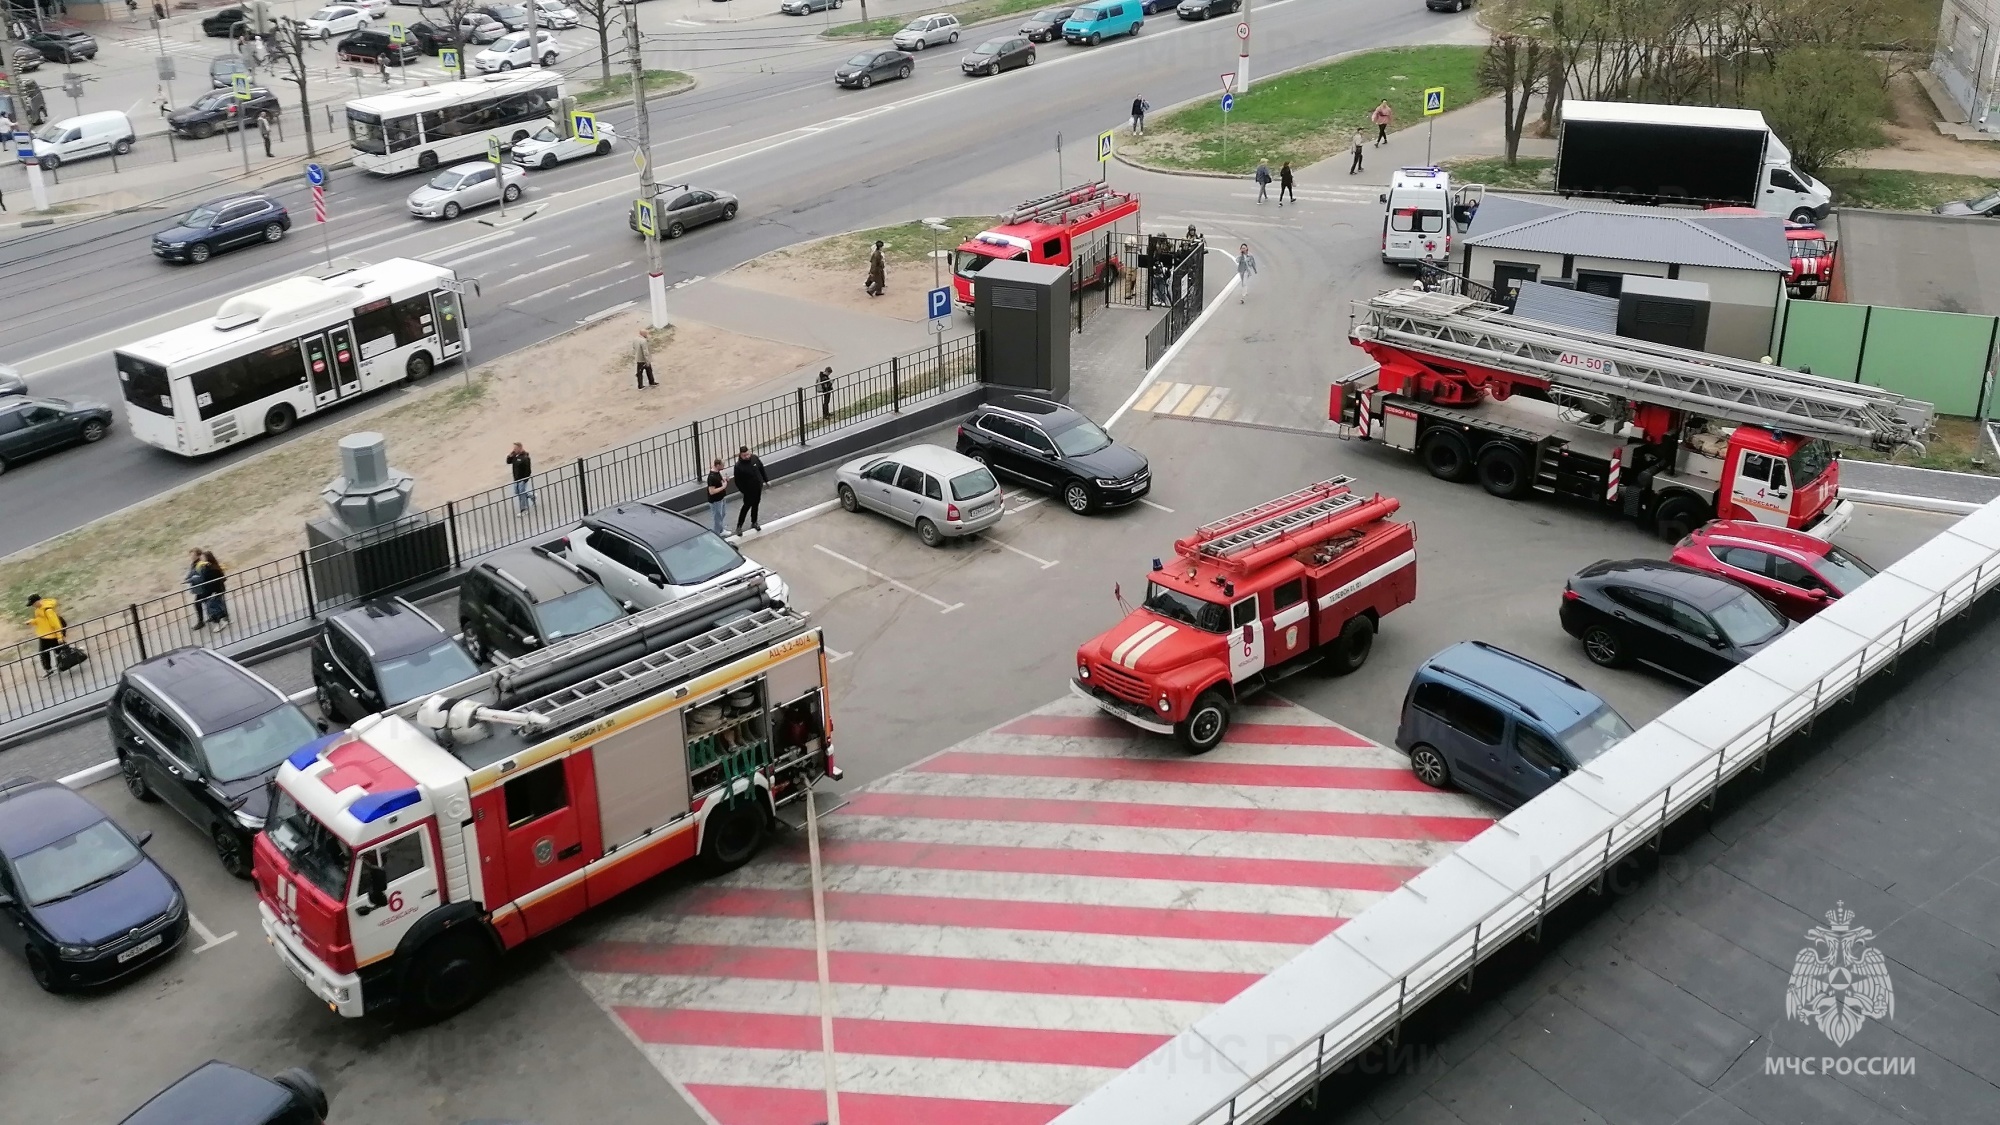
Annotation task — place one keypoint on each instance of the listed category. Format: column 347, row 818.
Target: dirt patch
column 563, row 398
column 1914, row 142
column 831, row 271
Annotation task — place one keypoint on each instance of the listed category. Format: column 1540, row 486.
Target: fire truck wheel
column 1351, row 648
column 1503, row 472
column 1429, row 766
column 1603, row 647
column 1677, row 518
column 451, row 973
column 1445, row 455
column 233, row 849
column 734, row 834
column 1206, row 723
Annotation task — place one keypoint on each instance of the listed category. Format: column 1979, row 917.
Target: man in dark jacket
column 524, row 469
column 750, row 481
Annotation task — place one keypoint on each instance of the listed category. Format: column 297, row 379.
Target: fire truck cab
column 404, row 856
column 1045, row 231
column 1247, row 601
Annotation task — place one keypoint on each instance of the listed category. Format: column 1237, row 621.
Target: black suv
column 57, row 45
column 205, row 734
column 31, row 426
column 1052, row 447
column 216, row 1093
column 367, row 45
column 222, row 23
column 519, row 599
column 429, row 36
column 379, row 654
column 221, row 224
column 210, row 113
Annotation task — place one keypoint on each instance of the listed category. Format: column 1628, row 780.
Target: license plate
column 150, row 943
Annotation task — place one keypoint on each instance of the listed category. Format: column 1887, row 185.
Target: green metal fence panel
column 1824, row 336
column 1939, row 357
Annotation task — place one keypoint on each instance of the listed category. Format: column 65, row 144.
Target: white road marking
column 1043, row 563
column 544, row 269
column 602, row 313
column 462, row 259
column 557, row 250
column 833, row 657
column 1023, row 505
column 942, row 607
column 208, row 939
column 574, row 281
column 1173, row 352
column 1161, row 507
column 684, row 283
column 599, row 289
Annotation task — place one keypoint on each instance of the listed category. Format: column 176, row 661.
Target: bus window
column 413, row 319
column 364, row 132
column 145, row 385
column 239, row 382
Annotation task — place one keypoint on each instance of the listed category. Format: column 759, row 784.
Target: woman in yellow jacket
column 49, row 627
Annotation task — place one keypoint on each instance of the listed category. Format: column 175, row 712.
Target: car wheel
column 549, row 161
column 905, row 72
column 505, row 67
column 519, row 136
column 1804, row 215
column 848, row 501
column 427, row 162
column 51, row 161
column 1429, row 766
column 954, row 37
column 450, row 974
column 1094, row 39
column 274, row 232
column 202, row 131
column 305, row 1087
column 604, row 148
column 233, row 850
column 866, row 81
column 451, row 211
column 675, row 230
column 418, row 366
column 512, row 193
column 1445, row 455
column 728, row 212
column 1031, row 59
column 278, row 419
column 1603, row 647
column 1135, row 28
column 199, row 252
column 1076, row 497
column 549, row 59
column 1351, row 648
column 1503, row 472
column 324, row 702
column 734, row 834
column 928, row 534
column 1205, row 725
column 921, row 45
column 93, row 431
column 135, row 780
column 1678, row 516
column 38, row 967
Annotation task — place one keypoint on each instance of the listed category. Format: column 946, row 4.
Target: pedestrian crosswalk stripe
column 1187, row 400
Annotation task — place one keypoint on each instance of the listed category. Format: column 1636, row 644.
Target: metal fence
column 1174, row 278
column 272, row 595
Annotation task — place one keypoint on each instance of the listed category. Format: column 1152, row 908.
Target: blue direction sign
column 937, row 308
column 315, row 174
column 1228, row 102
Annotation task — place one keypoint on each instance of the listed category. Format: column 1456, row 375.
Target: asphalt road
column 806, row 158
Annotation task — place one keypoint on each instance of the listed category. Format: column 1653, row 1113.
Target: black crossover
column 1676, row 618
column 1054, row 448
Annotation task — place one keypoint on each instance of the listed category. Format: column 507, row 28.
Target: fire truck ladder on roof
column 1711, row 386
column 621, row 630
column 650, row 673
column 1051, row 207
column 1246, row 530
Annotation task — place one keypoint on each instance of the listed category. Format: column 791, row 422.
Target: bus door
column 331, row 362
column 347, row 373
column 319, row 364
column 449, row 327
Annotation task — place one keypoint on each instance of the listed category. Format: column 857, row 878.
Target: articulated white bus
column 420, row 129
column 283, row 351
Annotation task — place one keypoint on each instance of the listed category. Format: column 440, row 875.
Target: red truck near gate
column 1046, row 231
column 1249, row 600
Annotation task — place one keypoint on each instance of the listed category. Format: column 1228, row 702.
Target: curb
column 1913, row 503
column 1172, row 353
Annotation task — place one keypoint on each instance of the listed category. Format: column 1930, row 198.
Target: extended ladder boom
column 1617, row 368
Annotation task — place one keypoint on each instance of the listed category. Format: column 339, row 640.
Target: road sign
column 1228, row 102
column 448, row 59
column 1229, row 82
column 241, row 84
column 583, row 126
column 1433, row 101
column 493, row 149
column 937, row 308
column 397, row 34
column 164, row 64
column 315, row 174
column 24, row 144
column 1104, row 147
column 642, row 212
column 1242, row 31
column 319, row 204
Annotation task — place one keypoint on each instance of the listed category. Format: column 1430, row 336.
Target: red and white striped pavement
column 1016, row 919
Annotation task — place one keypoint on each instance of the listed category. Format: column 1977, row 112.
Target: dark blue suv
column 223, row 224
column 1500, row 725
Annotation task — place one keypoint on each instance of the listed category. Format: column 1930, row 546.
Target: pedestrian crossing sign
column 583, row 126
column 1104, row 147
column 1433, row 101
column 642, row 215
column 242, row 84
column 448, row 59
column 493, row 149
column 397, row 34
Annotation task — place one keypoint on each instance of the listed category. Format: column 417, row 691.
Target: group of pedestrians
column 206, row 580
column 750, row 478
column 1286, row 184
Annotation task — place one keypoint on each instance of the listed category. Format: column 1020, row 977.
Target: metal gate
column 1174, row 279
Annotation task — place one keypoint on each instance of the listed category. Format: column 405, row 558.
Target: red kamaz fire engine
column 402, row 857
column 1044, row 231
column 1248, row 601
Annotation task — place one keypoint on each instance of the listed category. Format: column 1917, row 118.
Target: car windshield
column 978, row 482
column 1809, row 247
column 1051, row 15
column 75, row 863
column 512, row 42
column 917, row 25
column 1084, row 15
column 1082, row 439
column 1844, row 569
column 992, row 48
column 258, row 745
column 545, row 134
column 201, row 218
column 861, row 60
column 409, row 677
column 578, row 611
column 50, row 133
column 1746, row 620
column 325, row 14
column 1809, row 461
column 214, row 101
column 970, row 263
column 1985, row 202
column 1599, row 731
column 1210, row 617
column 699, row 558
column 447, row 181
column 311, row 848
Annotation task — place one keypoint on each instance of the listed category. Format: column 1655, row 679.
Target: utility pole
column 22, row 128
column 534, row 48
column 656, row 282
column 1243, row 53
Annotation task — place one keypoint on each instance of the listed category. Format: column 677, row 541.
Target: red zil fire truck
column 1668, row 436
column 402, row 857
column 1250, row 600
column 1045, row 231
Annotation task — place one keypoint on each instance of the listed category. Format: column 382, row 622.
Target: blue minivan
column 1500, row 725
column 1094, row 23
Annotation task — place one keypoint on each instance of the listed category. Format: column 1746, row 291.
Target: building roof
column 1633, row 234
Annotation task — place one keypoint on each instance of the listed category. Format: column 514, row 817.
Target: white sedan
column 376, row 9
column 329, row 22
column 511, row 50
column 547, row 149
column 557, row 14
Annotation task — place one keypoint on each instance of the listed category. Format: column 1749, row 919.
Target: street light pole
column 656, row 281
column 937, row 282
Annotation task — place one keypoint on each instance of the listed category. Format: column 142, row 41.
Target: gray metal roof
column 1552, row 304
column 1633, row 234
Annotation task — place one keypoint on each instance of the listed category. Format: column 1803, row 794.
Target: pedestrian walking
column 210, row 584
column 49, row 630
column 159, row 11
column 6, row 138
column 718, row 492
column 878, row 272
column 1285, row 185
column 1382, row 118
column 382, row 68
column 1139, row 108
column 642, row 363
column 1360, row 142
column 192, row 579
column 523, row 466
column 1263, row 177
column 132, row 9
column 751, row 478
column 1245, row 266
column 825, row 385
column 264, row 131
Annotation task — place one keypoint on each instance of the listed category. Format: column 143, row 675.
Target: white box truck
column 1702, row 155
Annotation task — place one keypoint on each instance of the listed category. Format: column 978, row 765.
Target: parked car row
column 1084, row 23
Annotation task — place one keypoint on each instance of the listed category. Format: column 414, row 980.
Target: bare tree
column 599, row 16
column 289, row 41
column 1513, row 64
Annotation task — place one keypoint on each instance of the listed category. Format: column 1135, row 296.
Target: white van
column 1416, row 217
column 93, row 134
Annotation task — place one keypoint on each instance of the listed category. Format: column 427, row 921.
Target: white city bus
column 420, row 129
column 283, row 351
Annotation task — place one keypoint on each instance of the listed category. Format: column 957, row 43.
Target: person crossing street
column 1285, row 185
column 1245, row 266
column 1263, row 177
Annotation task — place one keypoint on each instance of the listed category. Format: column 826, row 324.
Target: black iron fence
column 1174, row 278
column 260, row 599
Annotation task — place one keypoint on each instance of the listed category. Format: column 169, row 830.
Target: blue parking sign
column 937, row 304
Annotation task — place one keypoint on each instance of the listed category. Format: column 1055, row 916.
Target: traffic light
column 260, row 16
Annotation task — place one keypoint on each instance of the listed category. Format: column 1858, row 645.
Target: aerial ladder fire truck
column 1046, row 230
column 1249, row 600
column 403, row 856
column 1665, row 435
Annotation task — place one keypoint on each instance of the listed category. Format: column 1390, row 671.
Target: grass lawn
column 1892, row 189
column 1307, row 116
column 1958, row 447
column 968, row 13
column 1494, row 172
column 620, row 87
column 904, row 244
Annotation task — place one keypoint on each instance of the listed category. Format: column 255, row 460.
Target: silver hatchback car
column 943, row 493
column 462, row 187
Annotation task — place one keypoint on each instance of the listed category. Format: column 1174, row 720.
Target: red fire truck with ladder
column 1669, row 436
column 403, row 856
column 1046, row 231
column 1248, row 601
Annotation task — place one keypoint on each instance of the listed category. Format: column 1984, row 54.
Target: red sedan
column 1796, row 572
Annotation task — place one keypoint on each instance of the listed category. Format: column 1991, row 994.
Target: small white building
column 1967, row 59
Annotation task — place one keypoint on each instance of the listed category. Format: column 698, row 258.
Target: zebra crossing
column 1014, row 920
column 1199, row 402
